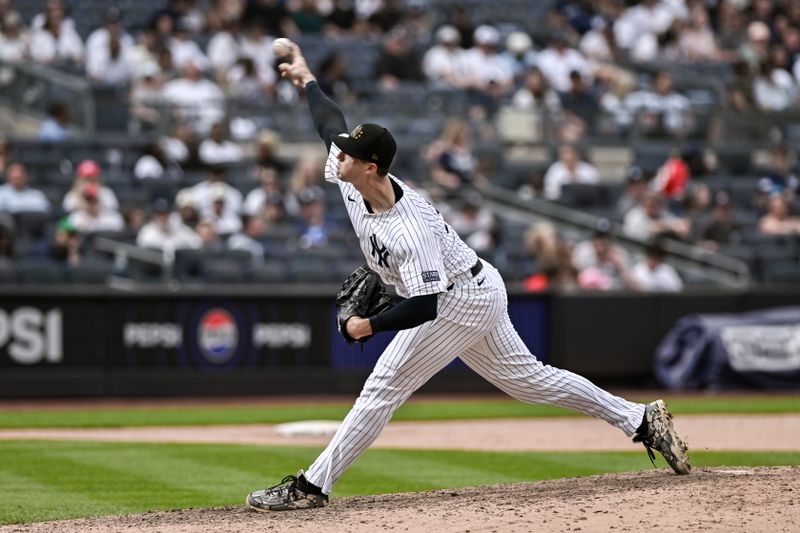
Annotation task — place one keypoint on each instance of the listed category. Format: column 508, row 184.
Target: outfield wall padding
column 73, row 341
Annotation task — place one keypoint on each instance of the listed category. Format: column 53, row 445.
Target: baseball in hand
column 282, row 47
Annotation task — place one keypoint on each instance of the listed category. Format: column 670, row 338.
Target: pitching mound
column 718, row 499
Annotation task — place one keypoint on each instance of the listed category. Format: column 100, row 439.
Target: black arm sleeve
column 407, row 314
column 328, row 118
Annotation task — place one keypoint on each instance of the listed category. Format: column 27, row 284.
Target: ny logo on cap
column 357, row 132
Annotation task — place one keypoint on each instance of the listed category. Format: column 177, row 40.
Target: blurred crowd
column 572, row 81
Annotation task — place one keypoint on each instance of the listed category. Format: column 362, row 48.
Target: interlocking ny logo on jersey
column 380, row 253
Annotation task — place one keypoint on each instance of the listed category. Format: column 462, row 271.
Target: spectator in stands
column 184, row 49
column 225, row 221
column 444, row 63
column 313, row 226
column 181, row 146
column 651, row 220
column 474, row 223
column 536, row 97
column 268, row 145
column 246, row 84
column 519, row 52
column 697, row 41
column 14, row 43
column 88, row 174
column 307, row 173
column 755, row 50
column 16, row 195
column 647, row 19
column 452, row 164
column 660, row 110
column 558, row 60
column 602, row 265
column 272, row 15
column 387, row 16
column 198, row 100
column 774, row 89
column 144, row 54
column 67, row 243
column 267, row 193
column 334, row 77
column 740, row 89
column 781, row 172
column 568, row 169
column 93, row 217
column 307, row 17
column 166, row 233
column 461, row 20
column 697, row 206
column 6, row 155
column 218, row 149
column 652, row 274
column 187, row 213
column 145, row 97
column 419, row 21
column 257, row 45
column 207, row 192
column 110, row 65
column 222, row 12
column 55, row 128
column 56, row 40
column 154, row 164
column 779, row 220
column 248, row 239
column 632, row 196
column 224, row 48
column 553, row 256
column 211, row 242
column 397, row 62
column 672, row 178
column 342, row 19
column 723, row 228
column 580, row 104
column 99, row 41
column 489, row 72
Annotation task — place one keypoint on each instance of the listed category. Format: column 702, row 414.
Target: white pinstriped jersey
column 410, row 246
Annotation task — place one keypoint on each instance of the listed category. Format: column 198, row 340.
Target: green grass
column 415, row 410
column 53, row 480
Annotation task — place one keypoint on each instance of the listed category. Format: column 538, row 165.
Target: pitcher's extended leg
column 504, row 360
column 409, row 361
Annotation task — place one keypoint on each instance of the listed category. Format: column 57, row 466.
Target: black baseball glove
column 363, row 294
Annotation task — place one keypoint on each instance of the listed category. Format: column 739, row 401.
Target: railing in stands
column 698, row 261
column 31, row 88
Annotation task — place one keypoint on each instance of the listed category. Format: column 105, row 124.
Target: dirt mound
column 719, row 500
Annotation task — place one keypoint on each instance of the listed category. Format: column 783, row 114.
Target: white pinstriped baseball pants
column 484, row 338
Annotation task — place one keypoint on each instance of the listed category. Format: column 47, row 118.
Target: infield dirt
column 710, row 500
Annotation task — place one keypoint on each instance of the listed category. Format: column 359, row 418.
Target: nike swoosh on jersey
column 348, row 197
column 481, row 282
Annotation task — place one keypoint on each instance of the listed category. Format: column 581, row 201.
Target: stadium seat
column 269, row 272
column 32, row 224
column 8, row 274
column 188, row 263
column 40, row 272
column 92, row 272
column 222, row 270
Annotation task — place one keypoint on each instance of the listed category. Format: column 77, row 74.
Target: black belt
column 475, row 270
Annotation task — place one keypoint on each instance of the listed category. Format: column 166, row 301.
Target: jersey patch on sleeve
column 430, row 276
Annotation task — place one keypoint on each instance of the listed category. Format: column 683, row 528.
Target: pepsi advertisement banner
column 45, row 332
column 219, row 333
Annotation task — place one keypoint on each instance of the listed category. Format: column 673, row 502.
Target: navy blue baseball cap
column 368, row 142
